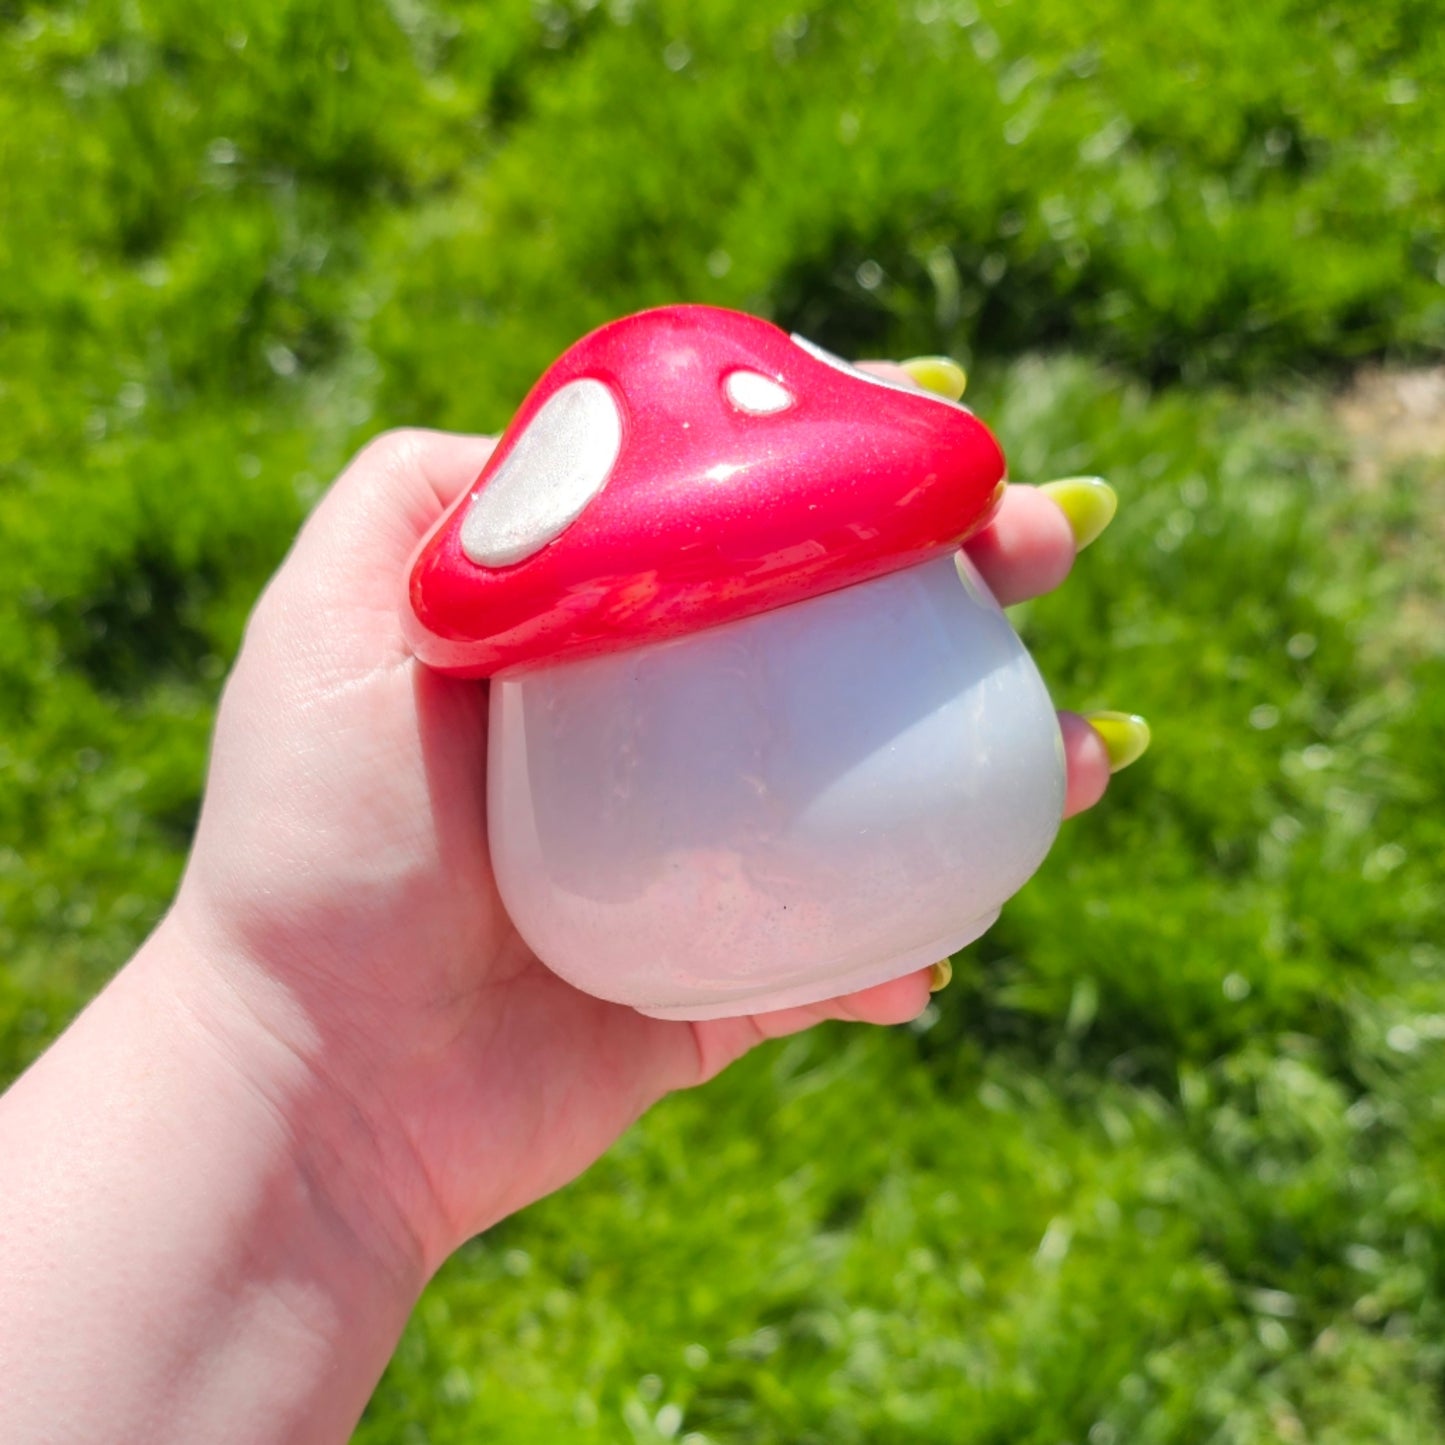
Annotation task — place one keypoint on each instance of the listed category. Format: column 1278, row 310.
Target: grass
column 1164, row 1163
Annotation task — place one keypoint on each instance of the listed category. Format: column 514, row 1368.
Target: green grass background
column 1166, row 1162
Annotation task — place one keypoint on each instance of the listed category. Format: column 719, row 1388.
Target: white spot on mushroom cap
column 756, row 394
column 554, row 469
column 838, row 364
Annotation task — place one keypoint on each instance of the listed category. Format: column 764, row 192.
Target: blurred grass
column 1165, row 1162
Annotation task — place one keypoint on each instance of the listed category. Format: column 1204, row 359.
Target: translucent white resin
column 780, row 810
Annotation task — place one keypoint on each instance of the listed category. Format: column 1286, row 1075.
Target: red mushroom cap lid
column 683, row 468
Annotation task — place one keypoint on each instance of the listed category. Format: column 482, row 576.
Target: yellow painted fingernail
column 1088, row 502
column 1125, row 735
column 937, row 373
column 940, row 975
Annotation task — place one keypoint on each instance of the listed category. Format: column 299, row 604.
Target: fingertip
column 400, row 483
column 451, row 461
column 1087, row 762
column 889, row 371
column 898, row 1001
column 1027, row 549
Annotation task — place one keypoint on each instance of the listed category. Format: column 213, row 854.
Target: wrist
column 182, row 1183
column 354, row 1178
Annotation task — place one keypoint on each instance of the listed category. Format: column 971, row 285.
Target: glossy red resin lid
column 682, row 468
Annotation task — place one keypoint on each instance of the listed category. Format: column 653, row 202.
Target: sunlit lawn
column 1166, row 1161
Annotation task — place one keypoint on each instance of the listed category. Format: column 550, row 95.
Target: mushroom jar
column 759, row 734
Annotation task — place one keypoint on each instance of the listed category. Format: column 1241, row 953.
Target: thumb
column 391, row 494
column 339, row 593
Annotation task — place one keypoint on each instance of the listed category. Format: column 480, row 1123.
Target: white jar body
column 779, row 810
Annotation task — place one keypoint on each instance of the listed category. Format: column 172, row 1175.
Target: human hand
column 341, row 903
